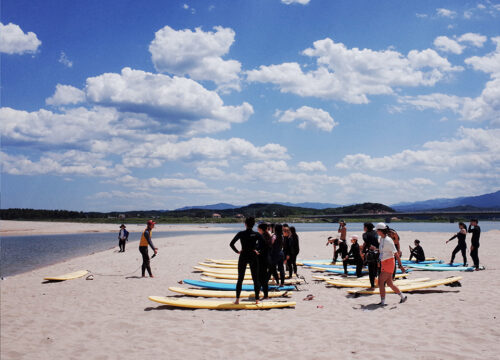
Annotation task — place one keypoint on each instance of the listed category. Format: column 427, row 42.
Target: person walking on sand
column 474, row 242
column 387, row 254
column 143, row 247
column 122, row 237
column 248, row 256
column 462, row 245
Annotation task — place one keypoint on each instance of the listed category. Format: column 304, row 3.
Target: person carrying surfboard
column 248, row 256
column 387, row 252
column 143, row 247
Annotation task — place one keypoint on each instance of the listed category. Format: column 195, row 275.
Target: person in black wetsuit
column 417, row 252
column 354, row 257
column 474, row 242
column 343, row 251
column 294, row 249
column 277, row 255
column 462, row 245
column 369, row 251
column 248, row 256
column 264, row 258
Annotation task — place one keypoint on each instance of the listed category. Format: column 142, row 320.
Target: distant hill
column 219, row 206
column 486, row 201
column 311, row 205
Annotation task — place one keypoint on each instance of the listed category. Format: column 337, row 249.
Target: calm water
column 20, row 254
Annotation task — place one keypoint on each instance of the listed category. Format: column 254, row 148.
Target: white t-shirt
column 122, row 234
column 386, row 248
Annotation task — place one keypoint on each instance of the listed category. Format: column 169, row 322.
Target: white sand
column 112, row 318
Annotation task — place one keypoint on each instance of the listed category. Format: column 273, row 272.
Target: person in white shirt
column 122, row 238
column 388, row 253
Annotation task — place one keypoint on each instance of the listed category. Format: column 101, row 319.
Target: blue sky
column 120, row 105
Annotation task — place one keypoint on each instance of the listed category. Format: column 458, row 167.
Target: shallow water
column 20, row 254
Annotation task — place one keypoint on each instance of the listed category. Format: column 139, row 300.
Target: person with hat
column 387, row 252
column 143, row 247
column 122, row 237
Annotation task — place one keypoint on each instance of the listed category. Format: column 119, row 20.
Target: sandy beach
column 111, row 317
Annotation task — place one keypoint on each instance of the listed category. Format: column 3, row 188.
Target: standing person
column 462, row 245
column 294, row 251
column 143, row 247
column 393, row 234
column 343, row 251
column 369, row 251
column 387, row 252
column 417, row 251
column 474, row 242
column 277, row 256
column 122, row 237
column 264, row 258
column 335, row 243
column 342, row 230
column 248, row 256
column 354, row 257
column 287, row 235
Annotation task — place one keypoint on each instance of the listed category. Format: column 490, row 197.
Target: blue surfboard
column 440, row 268
column 229, row 287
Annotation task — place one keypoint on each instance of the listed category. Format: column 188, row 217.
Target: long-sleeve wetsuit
column 354, row 258
column 474, row 242
column 418, row 253
column 143, row 248
column 249, row 241
column 461, row 246
column 371, row 238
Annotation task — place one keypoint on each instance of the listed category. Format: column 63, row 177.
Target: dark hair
column 294, row 233
column 265, row 235
column 475, row 220
column 369, row 226
column 250, row 222
column 461, row 224
column 417, row 241
column 278, row 229
column 285, row 225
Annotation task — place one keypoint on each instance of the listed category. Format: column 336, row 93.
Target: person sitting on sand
column 462, row 245
column 248, row 256
column 387, row 254
column 354, row 257
column 122, row 237
column 143, row 247
column 417, row 252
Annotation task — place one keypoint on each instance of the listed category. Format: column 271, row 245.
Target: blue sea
column 20, row 254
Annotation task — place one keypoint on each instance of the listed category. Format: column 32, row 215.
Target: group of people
column 267, row 252
column 275, row 246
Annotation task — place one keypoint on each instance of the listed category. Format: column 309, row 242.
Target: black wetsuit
column 371, row 238
column 277, row 257
column 461, row 246
column 354, row 258
column 264, row 263
column 418, row 252
column 291, row 249
column 474, row 242
column 249, row 241
column 343, row 251
column 144, row 252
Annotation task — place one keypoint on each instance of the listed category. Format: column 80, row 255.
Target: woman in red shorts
column 388, row 254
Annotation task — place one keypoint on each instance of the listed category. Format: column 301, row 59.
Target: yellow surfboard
column 216, row 270
column 223, row 262
column 219, row 304
column 363, row 278
column 354, row 283
column 69, row 276
column 221, row 266
column 245, row 281
column 410, row 287
column 224, row 294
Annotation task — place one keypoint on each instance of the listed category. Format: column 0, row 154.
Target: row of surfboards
column 218, row 282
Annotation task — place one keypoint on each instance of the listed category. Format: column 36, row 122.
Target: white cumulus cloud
column 446, row 13
column 197, row 54
column 311, row 166
column 66, row 95
column 13, row 40
column 351, row 75
column 308, row 116
column 446, row 44
column 301, row 2
column 473, row 39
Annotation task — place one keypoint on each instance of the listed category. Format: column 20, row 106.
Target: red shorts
column 387, row 265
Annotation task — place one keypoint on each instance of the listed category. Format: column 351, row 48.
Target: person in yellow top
column 143, row 247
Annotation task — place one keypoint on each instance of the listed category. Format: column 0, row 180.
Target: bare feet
column 238, row 301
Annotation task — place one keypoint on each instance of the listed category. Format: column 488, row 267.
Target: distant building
column 216, row 216
column 239, row 216
column 121, row 216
